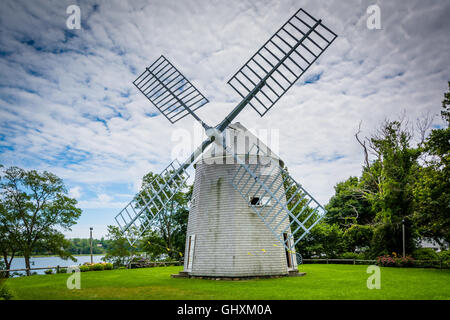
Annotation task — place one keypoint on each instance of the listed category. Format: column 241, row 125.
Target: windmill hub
column 214, row 134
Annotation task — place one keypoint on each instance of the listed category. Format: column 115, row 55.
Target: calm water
column 43, row 262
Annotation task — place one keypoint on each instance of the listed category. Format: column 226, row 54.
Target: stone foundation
column 292, row 273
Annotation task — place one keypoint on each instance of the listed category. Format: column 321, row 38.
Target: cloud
column 75, row 192
column 68, row 105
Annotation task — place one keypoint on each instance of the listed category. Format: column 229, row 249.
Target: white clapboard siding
column 230, row 239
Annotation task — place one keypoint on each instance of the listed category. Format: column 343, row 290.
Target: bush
column 84, row 268
column 386, row 261
column 351, row 255
column 49, row 271
column 61, row 270
column 98, row 267
column 444, row 255
column 425, row 254
column 406, row 261
column 108, row 266
column 5, row 293
column 395, row 261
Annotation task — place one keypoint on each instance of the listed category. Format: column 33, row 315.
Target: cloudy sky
column 68, row 105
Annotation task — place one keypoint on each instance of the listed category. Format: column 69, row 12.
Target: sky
column 68, row 104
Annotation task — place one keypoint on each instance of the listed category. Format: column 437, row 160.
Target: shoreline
column 54, row 255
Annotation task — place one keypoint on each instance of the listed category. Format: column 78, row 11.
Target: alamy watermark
column 74, row 19
column 74, row 280
column 374, row 281
column 374, row 19
column 254, row 146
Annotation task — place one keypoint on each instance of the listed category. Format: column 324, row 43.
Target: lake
column 43, row 262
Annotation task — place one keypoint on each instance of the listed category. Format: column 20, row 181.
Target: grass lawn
column 321, row 282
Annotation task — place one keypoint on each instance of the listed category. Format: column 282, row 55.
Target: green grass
column 321, row 282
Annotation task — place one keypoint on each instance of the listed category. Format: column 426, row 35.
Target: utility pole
column 403, row 230
column 92, row 261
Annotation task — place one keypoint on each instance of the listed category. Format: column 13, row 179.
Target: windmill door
column 291, row 259
column 190, row 256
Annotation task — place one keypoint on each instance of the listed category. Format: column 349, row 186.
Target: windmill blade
column 281, row 61
column 169, row 91
column 285, row 207
column 139, row 215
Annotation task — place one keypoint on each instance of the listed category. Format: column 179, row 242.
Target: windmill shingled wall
column 230, row 239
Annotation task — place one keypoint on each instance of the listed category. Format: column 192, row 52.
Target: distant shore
column 55, row 255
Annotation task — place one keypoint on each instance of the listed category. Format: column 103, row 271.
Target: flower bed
column 395, row 261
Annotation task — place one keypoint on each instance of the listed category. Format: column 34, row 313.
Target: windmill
column 246, row 214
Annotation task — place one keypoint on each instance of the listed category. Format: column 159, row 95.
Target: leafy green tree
column 348, row 206
column 297, row 200
column 387, row 184
column 358, row 237
column 400, row 183
column 35, row 208
column 154, row 245
column 387, row 238
column 170, row 223
column 82, row 246
column 119, row 251
column 432, row 188
column 8, row 245
column 323, row 240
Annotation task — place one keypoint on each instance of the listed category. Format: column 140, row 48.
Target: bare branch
column 423, row 124
column 363, row 145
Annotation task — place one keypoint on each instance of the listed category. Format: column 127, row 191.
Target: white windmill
column 247, row 213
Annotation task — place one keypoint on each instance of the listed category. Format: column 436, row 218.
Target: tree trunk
column 7, row 266
column 26, row 256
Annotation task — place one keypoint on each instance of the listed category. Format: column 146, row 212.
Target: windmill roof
column 242, row 141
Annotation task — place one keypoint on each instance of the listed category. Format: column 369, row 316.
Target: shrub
column 5, row 293
column 395, row 261
column 386, row 261
column 353, row 255
column 61, row 270
column 444, row 255
column 425, row 254
column 349, row 255
column 84, row 268
column 406, row 261
column 98, row 267
column 108, row 266
column 49, row 271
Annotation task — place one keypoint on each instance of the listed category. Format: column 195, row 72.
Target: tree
column 35, row 208
column 358, row 237
column 8, row 245
column 400, row 184
column 432, row 188
column 323, row 240
column 119, row 251
column 387, row 182
column 348, row 206
column 170, row 223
